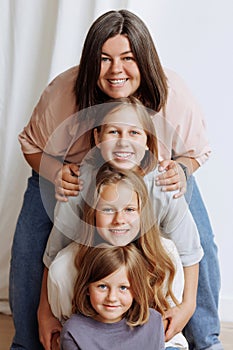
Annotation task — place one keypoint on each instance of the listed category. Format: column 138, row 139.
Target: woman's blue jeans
column 32, row 230
column 203, row 329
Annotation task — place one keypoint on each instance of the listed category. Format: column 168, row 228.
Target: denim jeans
column 203, row 329
column 32, row 230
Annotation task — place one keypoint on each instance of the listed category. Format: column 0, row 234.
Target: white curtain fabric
column 39, row 39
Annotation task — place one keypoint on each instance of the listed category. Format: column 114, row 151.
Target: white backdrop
column 41, row 38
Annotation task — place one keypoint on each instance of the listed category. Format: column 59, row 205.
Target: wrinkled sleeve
column 181, row 127
column 56, row 104
column 69, row 334
column 178, row 225
column 61, row 279
column 67, row 226
column 175, row 221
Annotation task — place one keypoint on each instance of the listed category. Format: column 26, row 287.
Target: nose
column 122, row 141
column 119, row 218
column 116, row 66
column 112, row 295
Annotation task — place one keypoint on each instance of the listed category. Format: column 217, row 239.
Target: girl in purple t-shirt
column 111, row 302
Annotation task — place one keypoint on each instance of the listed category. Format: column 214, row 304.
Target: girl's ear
column 147, row 148
column 96, row 137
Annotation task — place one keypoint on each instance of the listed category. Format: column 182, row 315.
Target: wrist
column 185, row 170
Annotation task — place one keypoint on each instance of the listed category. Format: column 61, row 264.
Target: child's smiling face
column 118, row 214
column 111, row 297
column 122, row 140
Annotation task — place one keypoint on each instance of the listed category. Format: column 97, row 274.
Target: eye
column 105, row 59
column 107, row 210
column 128, row 58
column 135, row 132
column 130, row 210
column 114, row 132
column 102, row 286
column 124, row 288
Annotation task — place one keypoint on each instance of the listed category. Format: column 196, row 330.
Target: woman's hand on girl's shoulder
column 55, row 343
column 47, row 330
column 67, row 182
column 172, row 177
column 177, row 318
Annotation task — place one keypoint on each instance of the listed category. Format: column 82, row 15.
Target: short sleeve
column 181, row 127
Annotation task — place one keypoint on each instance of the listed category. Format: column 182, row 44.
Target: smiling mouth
column 117, row 81
column 119, row 231
column 123, row 155
column 111, row 306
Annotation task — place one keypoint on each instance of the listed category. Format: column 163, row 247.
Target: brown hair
column 101, row 261
column 153, row 89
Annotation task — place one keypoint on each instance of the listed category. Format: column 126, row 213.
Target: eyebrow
column 119, row 124
column 123, row 53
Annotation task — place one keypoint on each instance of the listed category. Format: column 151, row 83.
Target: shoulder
column 169, row 246
column 155, row 191
column 60, row 91
column 155, row 315
column 176, row 84
column 152, row 175
column 180, row 98
column 74, row 320
column 64, row 260
column 64, row 79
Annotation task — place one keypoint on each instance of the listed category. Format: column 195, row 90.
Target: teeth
column 117, row 81
column 123, row 155
column 118, row 231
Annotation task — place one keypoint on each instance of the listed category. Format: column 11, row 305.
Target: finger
column 165, row 164
column 68, row 193
column 70, row 187
column 61, row 192
column 169, row 181
column 169, row 334
column 55, row 340
column 180, row 193
column 170, row 174
column 47, row 343
column 69, row 178
column 74, row 170
column 64, row 185
column 61, row 198
column 171, row 187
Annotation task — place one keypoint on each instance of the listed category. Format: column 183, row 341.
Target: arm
column 39, row 143
column 178, row 316
column 184, row 133
column 64, row 177
column 48, row 324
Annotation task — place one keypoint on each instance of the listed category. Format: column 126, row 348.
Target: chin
column 123, row 165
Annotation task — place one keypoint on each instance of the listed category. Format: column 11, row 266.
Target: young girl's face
column 122, row 140
column 118, row 214
column 111, row 296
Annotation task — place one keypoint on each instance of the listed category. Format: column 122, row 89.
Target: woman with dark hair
column 119, row 59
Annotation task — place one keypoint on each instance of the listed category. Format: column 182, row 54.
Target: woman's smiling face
column 119, row 73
